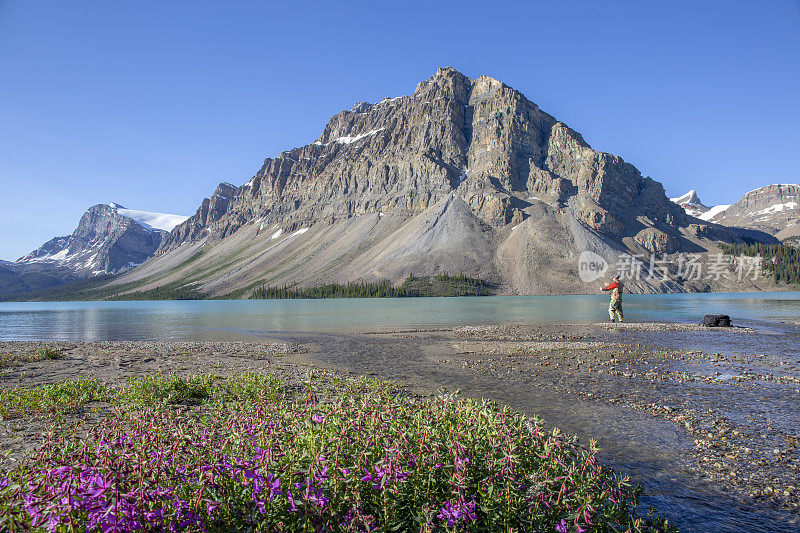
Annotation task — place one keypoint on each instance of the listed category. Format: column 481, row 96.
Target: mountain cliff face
column 477, row 138
column 774, row 209
column 461, row 176
column 108, row 240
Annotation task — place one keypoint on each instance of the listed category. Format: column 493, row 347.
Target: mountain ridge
column 109, row 239
column 773, row 209
column 464, row 176
column 377, row 195
column 487, row 183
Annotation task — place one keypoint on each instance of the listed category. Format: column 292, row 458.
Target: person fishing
column 615, row 288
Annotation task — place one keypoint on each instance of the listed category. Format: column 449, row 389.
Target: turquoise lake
column 246, row 319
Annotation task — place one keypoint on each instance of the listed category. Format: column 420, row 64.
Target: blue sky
column 151, row 104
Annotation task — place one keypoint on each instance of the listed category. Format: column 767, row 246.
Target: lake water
column 246, row 319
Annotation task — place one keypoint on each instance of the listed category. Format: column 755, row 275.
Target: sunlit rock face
column 464, row 175
column 479, row 138
column 774, row 209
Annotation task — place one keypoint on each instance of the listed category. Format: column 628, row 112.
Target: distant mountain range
column 109, row 239
column 462, row 176
column 773, row 209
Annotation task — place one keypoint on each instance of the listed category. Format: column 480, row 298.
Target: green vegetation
column 440, row 285
column 98, row 289
column 256, row 454
column 162, row 389
column 446, row 285
column 55, row 399
column 85, row 289
column 69, row 396
column 43, row 353
column 782, row 261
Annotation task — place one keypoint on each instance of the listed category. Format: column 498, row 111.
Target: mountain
column 691, row 203
column 773, row 209
column 461, row 176
column 109, row 239
column 17, row 279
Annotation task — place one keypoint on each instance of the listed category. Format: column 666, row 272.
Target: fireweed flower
column 292, row 508
column 458, row 513
column 384, row 461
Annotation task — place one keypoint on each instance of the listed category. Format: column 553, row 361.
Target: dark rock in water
column 717, row 321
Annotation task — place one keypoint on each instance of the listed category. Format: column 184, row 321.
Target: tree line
column 782, row 261
column 412, row 286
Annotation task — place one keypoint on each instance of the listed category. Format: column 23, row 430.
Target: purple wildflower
column 292, row 507
column 462, row 511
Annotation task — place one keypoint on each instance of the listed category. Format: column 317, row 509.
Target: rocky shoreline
column 755, row 460
column 724, row 422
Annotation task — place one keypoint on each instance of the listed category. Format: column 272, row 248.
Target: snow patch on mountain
column 690, row 196
column 349, row 140
column 775, row 208
column 149, row 220
column 713, row 212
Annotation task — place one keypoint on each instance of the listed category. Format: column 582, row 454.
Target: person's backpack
column 717, row 321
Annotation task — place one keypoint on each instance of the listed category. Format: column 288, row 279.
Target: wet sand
column 711, row 433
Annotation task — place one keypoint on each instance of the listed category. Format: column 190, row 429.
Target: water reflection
column 216, row 319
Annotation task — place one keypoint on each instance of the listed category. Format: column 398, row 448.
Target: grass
column 152, row 390
column 56, row 399
column 179, row 289
column 43, row 353
column 257, row 454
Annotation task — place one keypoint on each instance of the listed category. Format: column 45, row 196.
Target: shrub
column 362, row 458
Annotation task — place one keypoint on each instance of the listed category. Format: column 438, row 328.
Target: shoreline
column 669, row 417
column 734, row 290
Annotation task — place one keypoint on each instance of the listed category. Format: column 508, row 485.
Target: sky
column 150, row 104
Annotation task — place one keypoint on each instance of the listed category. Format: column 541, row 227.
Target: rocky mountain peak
column 109, row 239
column 691, row 203
column 779, row 192
column 463, row 175
column 447, row 83
column 400, row 155
column 690, row 197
